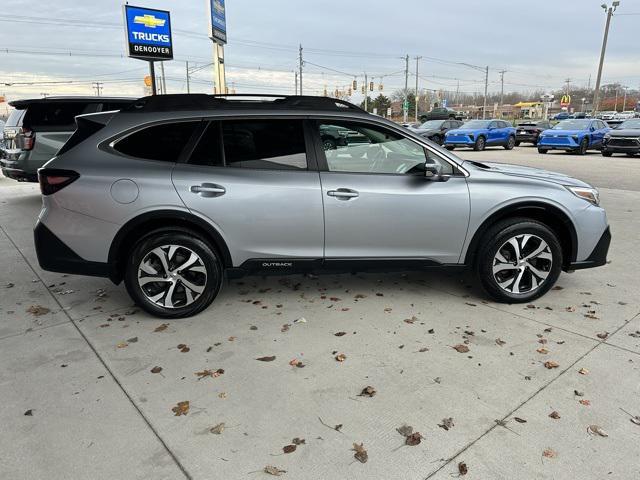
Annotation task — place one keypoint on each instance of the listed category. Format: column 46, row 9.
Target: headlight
column 591, row 195
column 607, row 136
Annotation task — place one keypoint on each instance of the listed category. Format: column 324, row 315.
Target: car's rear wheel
column 517, row 144
column 173, row 274
column 511, row 142
column 519, row 260
column 329, row 144
column 449, row 147
column 607, row 154
column 480, row 144
column 542, row 150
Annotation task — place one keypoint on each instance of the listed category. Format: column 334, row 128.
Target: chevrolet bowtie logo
column 149, row 21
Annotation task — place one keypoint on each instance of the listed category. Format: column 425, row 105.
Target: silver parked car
column 176, row 191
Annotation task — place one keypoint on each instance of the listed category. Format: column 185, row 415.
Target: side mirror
column 433, row 172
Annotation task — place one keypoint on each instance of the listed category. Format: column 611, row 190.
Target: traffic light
column 350, row 92
column 371, row 86
column 363, row 90
column 355, row 84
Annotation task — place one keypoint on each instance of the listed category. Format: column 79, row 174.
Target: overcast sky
column 539, row 42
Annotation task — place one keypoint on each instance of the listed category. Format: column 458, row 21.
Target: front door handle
column 208, row 190
column 343, row 193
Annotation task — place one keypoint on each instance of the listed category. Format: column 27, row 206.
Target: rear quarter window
column 164, row 142
column 15, row 118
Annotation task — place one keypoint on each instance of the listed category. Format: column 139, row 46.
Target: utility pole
column 405, row 106
column 457, row 92
column 568, row 82
column 366, row 93
column 596, row 94
column 486, row 88
column 624, row 102
column 187, row 70
column 616, row 104
column 417, row 95
column 502, row 72
column 152, row 74
column 164, row 82
column 97, row 86
column 296, row 75
column 300, row 67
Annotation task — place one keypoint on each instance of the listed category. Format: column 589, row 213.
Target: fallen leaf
column 583, row 371
column 557, row 287
column 300, row 320
column 596, row 430
column 156, row 369
column 542, row 350
column 222, row 395
column 209, row 373
column 446, row 423
column 37, row 310
column 555, row 415
column 182, row 408
column 341, row 357
column 266, row 359
column 122, row 345
column 275, row 471
column 132, row 340
column 586, row 403
column 549, row 453
column 550, row 364
column 298, row 441
column 405, row 430
column 570, row 309
column 414, row 439
column 285, row 328
column 423, row 349
column 161, row 328
column 183, row 348
column 411, row 320
column 635, row 419
column 29, row 413
column 361, row 454
column 462, row 468
column 461, row 348
column 337, row 427
column 500, row 342
column 289, row 448
column 519, row 420
column 335, row 299
column 218, row 429
column 578, row 393
column 603, row 335
column 368, row 391
column 253, row 327
column 340, row 334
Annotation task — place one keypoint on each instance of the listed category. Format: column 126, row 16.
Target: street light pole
column 417, row 94
column 486, row 87
column 609, row 11
column 405, row 105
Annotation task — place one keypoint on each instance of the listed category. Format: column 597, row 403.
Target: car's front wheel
column 542, row 150
column 173, row 274
column 519, row 260
column 584, row 146
column 480, row 144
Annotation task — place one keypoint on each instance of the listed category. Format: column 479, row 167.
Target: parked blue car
column 561, row 116
column 574, row 135
column 480, row 133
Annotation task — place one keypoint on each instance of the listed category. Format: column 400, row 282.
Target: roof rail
column 202, row 101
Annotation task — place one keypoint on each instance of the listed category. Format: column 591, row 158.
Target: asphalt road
column 618, row 172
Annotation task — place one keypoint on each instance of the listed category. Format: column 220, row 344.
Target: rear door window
column 164, row 142
column 276, row 144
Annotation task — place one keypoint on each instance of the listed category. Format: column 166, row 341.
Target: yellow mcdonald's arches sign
column 565, row 101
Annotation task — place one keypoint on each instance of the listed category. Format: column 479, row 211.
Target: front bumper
column 460, row 140
column 558, row 143
column 55, row 256
column 621, row 145
column 598, row 256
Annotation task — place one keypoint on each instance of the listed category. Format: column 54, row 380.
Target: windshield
column 635, row 123
column 473, row 124
column 431, row 124
column 572, row 125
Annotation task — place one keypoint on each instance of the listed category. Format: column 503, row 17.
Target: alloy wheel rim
column 522, row 264
column 172, row 276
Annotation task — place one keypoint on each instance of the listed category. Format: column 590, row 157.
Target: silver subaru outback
column 177, row 191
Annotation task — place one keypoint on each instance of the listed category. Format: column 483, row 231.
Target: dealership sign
column 148, row 33
column 217, row 21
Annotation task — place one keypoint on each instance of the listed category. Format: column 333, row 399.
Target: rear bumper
column 55, row 256
column 526, row 137
column 598, row 256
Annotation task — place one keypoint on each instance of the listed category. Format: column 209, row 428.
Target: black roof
column 21, row 104
column 201, row 101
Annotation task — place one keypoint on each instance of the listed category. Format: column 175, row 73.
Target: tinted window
column 364, row 148
column 161, row 142
column 107, row 107
column 208, row 151
column 15, row 118
column 54, row 114
column 264, row 144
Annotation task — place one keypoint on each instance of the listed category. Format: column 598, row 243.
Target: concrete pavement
column 97, row 410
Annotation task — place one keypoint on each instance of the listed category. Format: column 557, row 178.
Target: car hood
column 625, row 132
column 422, row 131
column 464, row 131
column 564, row 132
column 530, row 172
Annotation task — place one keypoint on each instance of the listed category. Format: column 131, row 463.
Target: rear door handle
column 343, row 193
column 208, row 190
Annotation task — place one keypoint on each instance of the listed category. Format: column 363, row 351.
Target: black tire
column 542, row 151
column 584, row 146
column 607, row 154
column 630, row 154
column 496, row 237
column 480, row 144
column 437, row 139
column 449, row 147
column 517, row 144
column 510, row 143
column 329, row 144
column 210, row 281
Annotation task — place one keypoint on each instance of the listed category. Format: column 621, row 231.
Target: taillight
column 27, row 139
column 53, row 180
